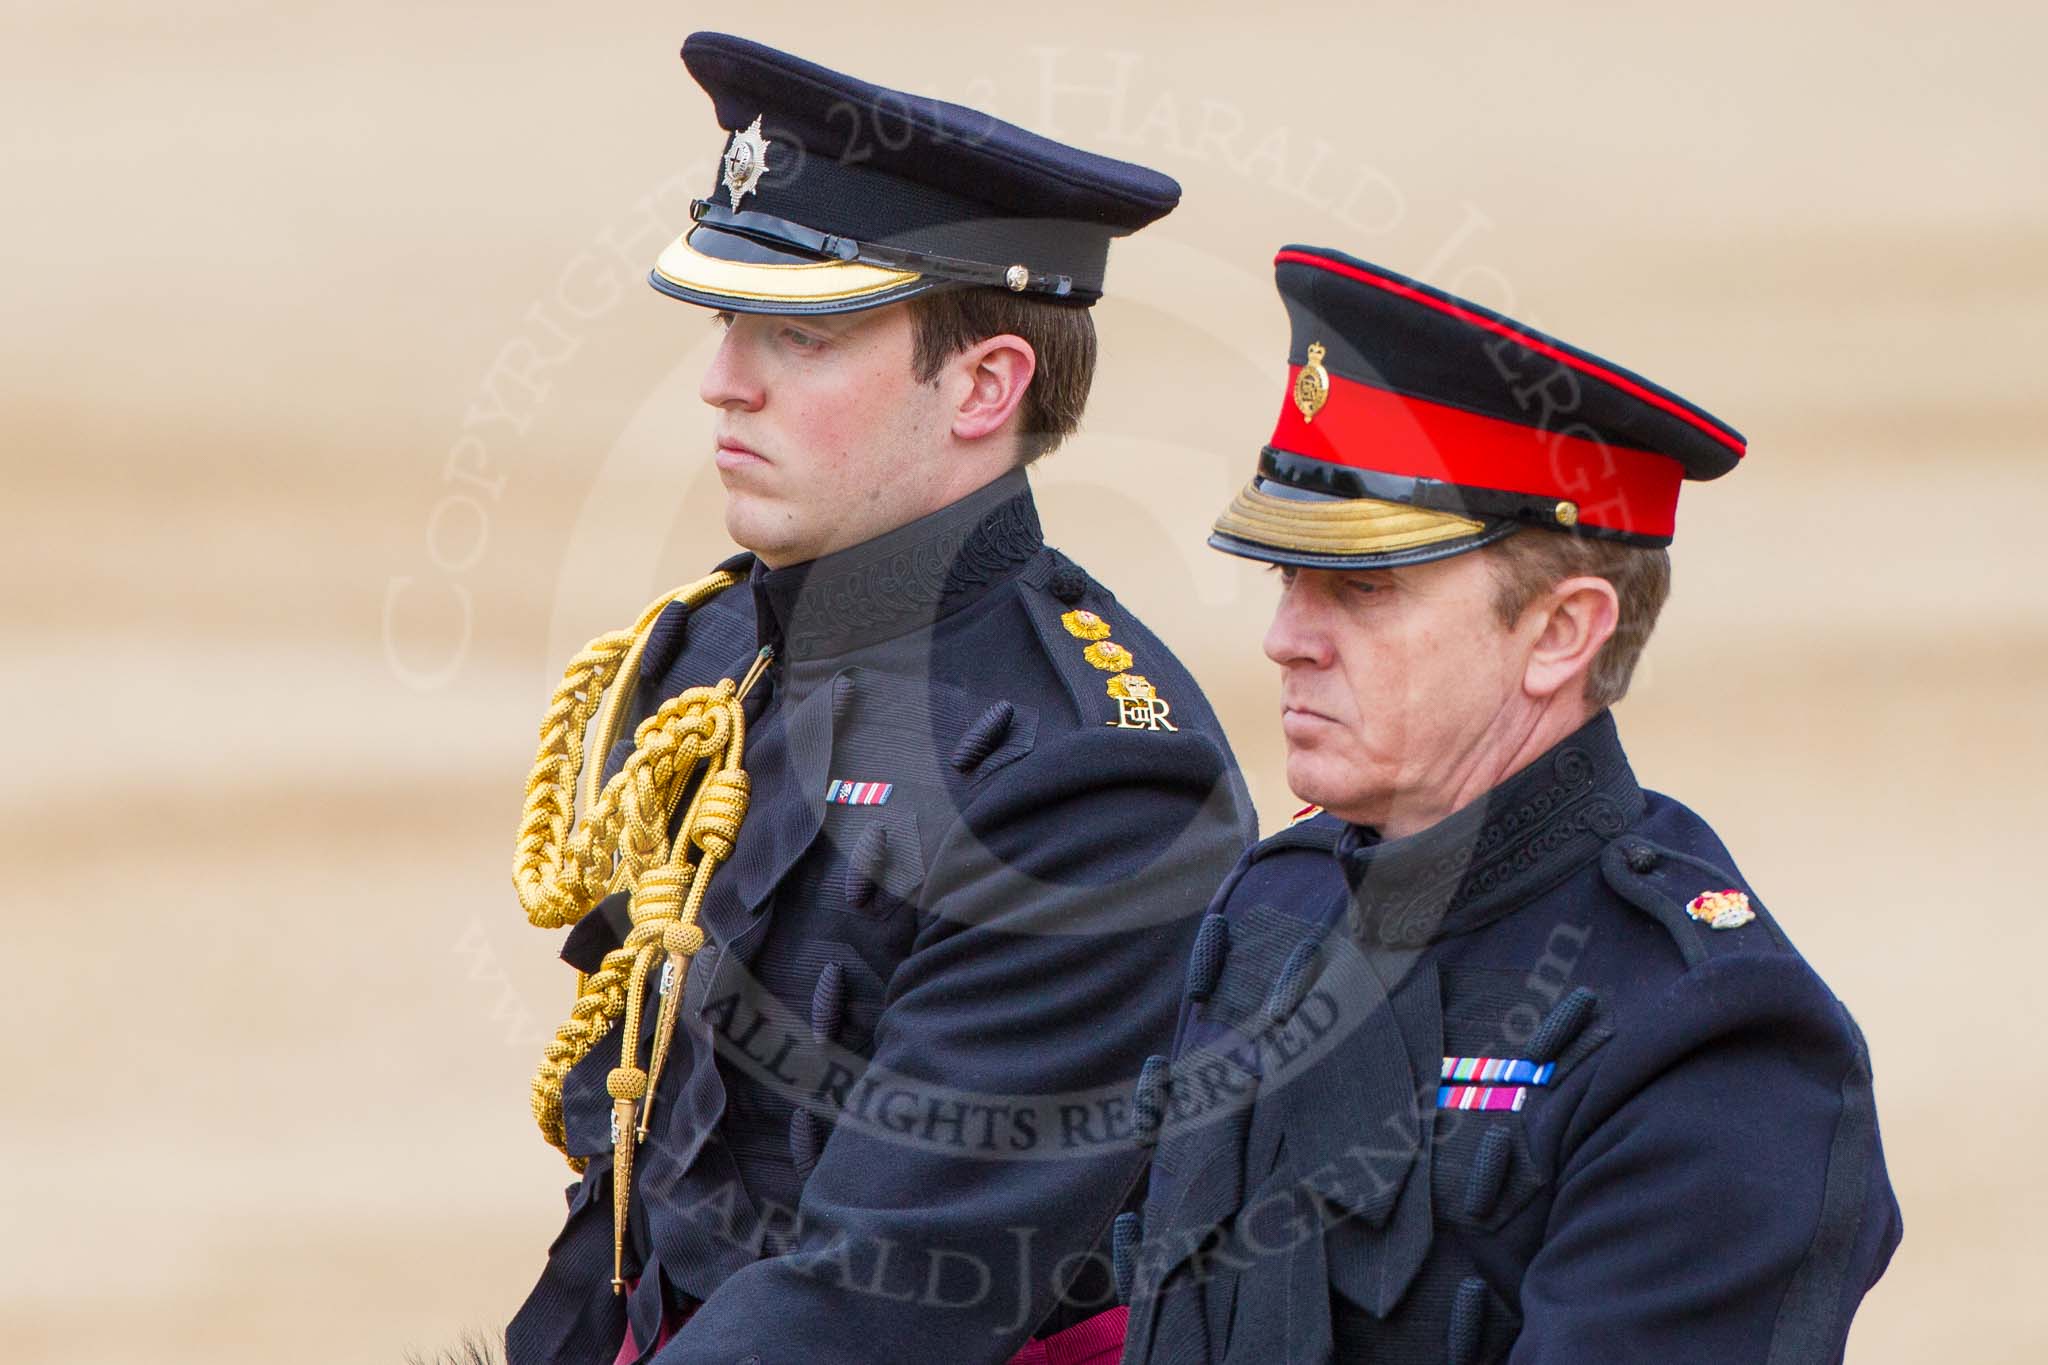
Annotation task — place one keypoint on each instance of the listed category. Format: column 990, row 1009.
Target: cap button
column 1017, row 277
column 1567, row 514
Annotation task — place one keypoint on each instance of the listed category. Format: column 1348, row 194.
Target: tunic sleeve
column 1723, row 1195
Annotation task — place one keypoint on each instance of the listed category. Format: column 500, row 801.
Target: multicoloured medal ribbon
column 1490, row 1082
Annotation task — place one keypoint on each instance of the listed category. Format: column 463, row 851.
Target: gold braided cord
column 557, row 876
column 701, row 724
column 621, row 842
column 664, row 910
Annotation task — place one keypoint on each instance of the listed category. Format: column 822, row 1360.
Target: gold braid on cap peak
column 622, row 843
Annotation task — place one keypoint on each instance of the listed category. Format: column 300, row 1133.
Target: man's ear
column 1577, row 616
column 991, row 377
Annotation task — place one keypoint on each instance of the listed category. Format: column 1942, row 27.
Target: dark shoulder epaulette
column 1706, row 908
column 1099, row 650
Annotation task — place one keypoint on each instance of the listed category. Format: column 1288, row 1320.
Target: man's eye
column 723, row 320
column 803, row 341
column 1285, row 572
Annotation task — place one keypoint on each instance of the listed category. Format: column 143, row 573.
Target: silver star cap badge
column 746, row 161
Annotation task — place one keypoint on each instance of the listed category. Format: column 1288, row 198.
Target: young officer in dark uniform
column 1498, row 1057
column 859, row 1010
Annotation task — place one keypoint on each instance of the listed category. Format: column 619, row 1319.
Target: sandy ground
column 334, row 415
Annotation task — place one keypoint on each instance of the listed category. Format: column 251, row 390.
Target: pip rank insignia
column 1138, row 704
column 845, row 793
column 1109, row 656
column 1721, row 909
column 746, row 161
column 1312, row 385
column 1085, row 625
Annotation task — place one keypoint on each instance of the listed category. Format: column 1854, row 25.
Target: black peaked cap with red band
column 1418, row 425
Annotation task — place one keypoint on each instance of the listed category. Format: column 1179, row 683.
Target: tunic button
column 1205, row 964
column 1642, row 858
column 1292, row 984
column 828, row 1002
column 1148, row 1102
column 984, row 737
column 1123, row 1253
column 866, row 865
column 1489, row 1174
column 1561, row 1025
column 1468, row 1321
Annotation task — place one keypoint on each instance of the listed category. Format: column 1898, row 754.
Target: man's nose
column 730, row 381
column 1295, row 635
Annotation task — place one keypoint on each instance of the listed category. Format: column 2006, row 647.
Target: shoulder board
column 1705, row 908
column 1100, row 651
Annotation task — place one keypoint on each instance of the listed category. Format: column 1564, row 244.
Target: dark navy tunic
column 1683, row 1161
column 894, row 1123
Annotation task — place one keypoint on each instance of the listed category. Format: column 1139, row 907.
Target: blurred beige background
column 334, row 415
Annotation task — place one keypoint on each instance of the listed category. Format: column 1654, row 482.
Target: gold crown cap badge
column 1312, row 385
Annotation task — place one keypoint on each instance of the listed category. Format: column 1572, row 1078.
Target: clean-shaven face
column 824, row 438
column 1396, row 687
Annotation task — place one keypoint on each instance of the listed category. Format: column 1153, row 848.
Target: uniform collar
column 1523, row 837
column 901, row 581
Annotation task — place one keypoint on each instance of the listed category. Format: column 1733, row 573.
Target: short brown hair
column 946, row 322
column 1531, row 562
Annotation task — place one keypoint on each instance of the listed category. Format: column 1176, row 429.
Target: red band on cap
column 1523, row 339
column 1616, row 488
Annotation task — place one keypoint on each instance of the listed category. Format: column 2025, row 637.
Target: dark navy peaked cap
column 836, row 195
column 1418, row 425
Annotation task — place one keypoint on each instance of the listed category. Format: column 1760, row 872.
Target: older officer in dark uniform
column 1498, row 1057
column 905, row 824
